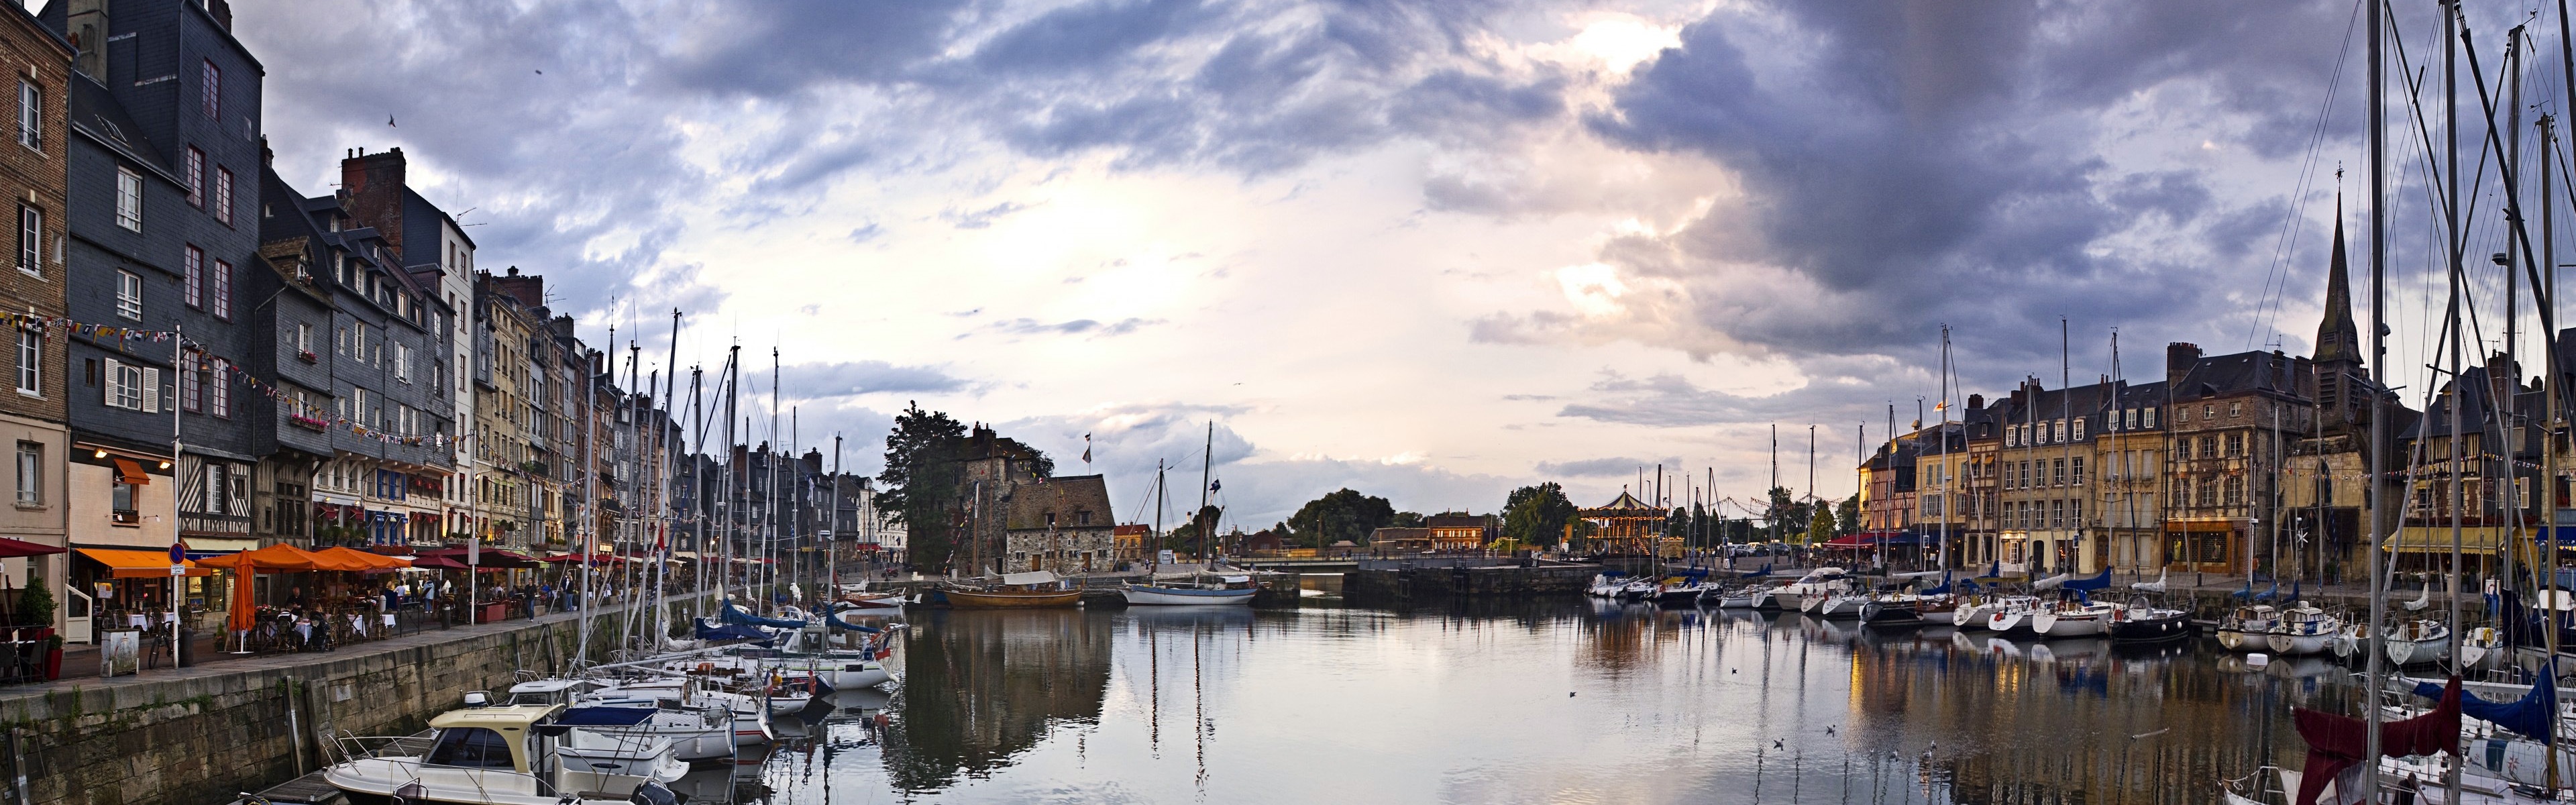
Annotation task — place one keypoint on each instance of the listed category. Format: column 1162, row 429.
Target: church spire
column 2337, row 338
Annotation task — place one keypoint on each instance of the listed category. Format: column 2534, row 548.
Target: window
column 129, row 295
column 2079, row 430
column 31, row 115
column 191, row 386
column 2209, row 447
column 129, row 199
column 2057, row 473
column 2079, row 470
column 340, row 337
column 2235, row 408
column 121, row 499
column 223, row 389
column 211, row 89
column 2150, row 417
column 2235, row 444
column 31, row 356
column 224, row 195
column 31, row 473
column 31, row 240
column 2012, row 436
column 2057, row 431
column 2235, row 490
column 303, row 337
column 193, row 269
column 223, row 306
column 133, row 387
column 2057, row 514
column 402, row 362
column 196, row 175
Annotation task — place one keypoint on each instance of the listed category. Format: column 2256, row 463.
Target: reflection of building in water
column 2053, row 722
column 982, row 687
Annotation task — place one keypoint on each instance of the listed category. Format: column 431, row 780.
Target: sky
column 1428, row 250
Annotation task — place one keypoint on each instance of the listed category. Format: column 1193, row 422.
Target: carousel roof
column 1625, row 503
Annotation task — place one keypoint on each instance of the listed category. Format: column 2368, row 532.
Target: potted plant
column 36, row 606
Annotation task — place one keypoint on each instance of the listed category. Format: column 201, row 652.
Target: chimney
column 2179, row 358
column 223, row 13
column 1976, row 402
column 374, row 184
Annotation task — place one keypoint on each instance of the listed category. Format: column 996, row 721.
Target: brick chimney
column 2179, row 358
column 374, row 184
column 529, row 289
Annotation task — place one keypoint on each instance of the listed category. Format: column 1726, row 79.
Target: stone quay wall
column 1439, row 582
column 207, row 734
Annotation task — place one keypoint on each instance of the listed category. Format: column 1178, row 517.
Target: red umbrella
column 13, row 548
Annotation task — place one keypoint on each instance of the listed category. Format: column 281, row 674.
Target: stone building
column 2130, row 454
column 507, row 476
column 2045, row 485
column 1460, row 531
column 1061, row 524
column 431, row 251
column 2234, row 420
column 35, row 420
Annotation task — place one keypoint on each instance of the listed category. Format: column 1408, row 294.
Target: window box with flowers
column 309, row 422
column 307, row 356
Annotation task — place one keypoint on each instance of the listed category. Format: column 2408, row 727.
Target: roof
column 95, row 112
column 1030, row 503
column 2243, row 372
column 1625, row 502
column 500, row 717
column 1455, row 521
column 1392, row 533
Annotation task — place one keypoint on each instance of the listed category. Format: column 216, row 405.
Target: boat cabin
column 485, row 737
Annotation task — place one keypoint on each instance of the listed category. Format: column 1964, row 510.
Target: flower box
column 308, row 423
column 307, row 356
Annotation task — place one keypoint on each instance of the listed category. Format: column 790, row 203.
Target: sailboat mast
column 2374, row 497
column 1207, row 468
column 2547, row 297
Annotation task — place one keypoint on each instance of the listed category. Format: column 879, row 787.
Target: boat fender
column 706, row 667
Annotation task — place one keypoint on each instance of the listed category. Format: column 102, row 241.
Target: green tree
column 921, row 477
column 1185, row 539
column 1340, row 515
column 1821, row 528
column 1788, row 517
column 1405, row 520
column 1537, row 515
column 1847, row 515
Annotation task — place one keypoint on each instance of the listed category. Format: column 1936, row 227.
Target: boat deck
column 311, row 790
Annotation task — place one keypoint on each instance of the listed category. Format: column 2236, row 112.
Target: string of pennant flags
column 224, row 365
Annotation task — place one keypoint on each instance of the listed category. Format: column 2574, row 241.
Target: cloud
column 1082, row 327
column 979, row 219
column 824, row 381
column 1602, row 467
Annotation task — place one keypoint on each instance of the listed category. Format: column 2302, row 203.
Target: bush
column 36, row 606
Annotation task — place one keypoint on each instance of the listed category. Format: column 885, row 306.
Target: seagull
column 389, row 120
column 1775, row 743
column 541, row 72
column 1569, row 694
column 1829, row 729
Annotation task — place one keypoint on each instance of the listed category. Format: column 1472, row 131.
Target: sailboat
column 1201, row 588
column 1035, row 589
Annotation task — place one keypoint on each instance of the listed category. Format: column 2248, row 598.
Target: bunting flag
column 301, row 414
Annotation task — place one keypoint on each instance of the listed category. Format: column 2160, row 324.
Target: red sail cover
column 2336, row 742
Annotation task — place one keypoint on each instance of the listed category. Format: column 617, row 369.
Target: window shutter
column 115, row 382
column 151, row 391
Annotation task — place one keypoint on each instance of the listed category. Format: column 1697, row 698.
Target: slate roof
column 1030, row 503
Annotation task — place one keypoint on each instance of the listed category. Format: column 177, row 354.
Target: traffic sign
column 178, row 570
column 178, row 553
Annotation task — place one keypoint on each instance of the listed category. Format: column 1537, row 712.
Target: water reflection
column 1553, row 701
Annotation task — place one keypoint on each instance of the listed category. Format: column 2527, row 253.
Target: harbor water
column 1562, row 700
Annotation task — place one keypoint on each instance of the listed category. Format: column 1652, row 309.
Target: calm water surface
column 1563, row 701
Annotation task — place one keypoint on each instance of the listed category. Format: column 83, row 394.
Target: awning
column 14, row 548
column 362, row 560
column 1872, row 539
column 2437, row 539
column 132, row 474
column 138, row 564
column 278, row 557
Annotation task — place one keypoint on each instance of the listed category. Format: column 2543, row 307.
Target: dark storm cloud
column 1932, row 161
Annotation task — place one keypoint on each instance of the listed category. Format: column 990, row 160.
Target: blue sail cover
column 2528, row 716
column 2095, row 583
column 837, row 623
column 1944, row 589
column 729, row 631
column 736, row 615
column 604, row 716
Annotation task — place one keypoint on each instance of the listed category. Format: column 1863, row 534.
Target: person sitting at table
column 295, row 598
column 393, row 600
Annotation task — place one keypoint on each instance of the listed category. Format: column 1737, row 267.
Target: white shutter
column 151, row 391
column 115, row 382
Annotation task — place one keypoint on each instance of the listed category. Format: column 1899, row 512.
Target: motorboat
column 2243, row 629
column 2482, row 648
column 1743, row 598
column 2301, row 629
column 2071, row 619
column 750, row 719
column 1893, row 611
column 697, row 731
column 530, row 754
column 2141, row 622
column 1844, row 606
column 1205, row 590
column 1820, row 582
column 1638, row 590
column 1681, row 593
column 1036, row 589
column 2418, row 640
column 1606, row 585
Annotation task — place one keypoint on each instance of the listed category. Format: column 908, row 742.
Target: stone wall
column 1478, row 581
column 202, row 739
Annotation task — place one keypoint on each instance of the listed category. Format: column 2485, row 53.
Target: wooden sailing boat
column 1036, row 589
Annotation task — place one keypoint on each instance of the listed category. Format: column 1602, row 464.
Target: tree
column 1537, row 515
column 1821, row 528
column 1405, row 520
column 1185, row 539
column 1788, row 517
column 921, row 477
column 1340, row 515
column 1847, row 515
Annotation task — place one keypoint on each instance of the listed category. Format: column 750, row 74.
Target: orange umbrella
column 362, row 560
column 275, row 557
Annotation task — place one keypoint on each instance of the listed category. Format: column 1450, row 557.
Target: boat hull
column 1841, row 607
column 2286, row 644
column 1144, row 595
column 2150, row 630
column 964, row 599
column 2008, row 622
column 1970, row 616
column 2047, row 624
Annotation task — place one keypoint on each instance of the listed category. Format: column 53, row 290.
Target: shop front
column 2205, row 546
column 126, row 588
